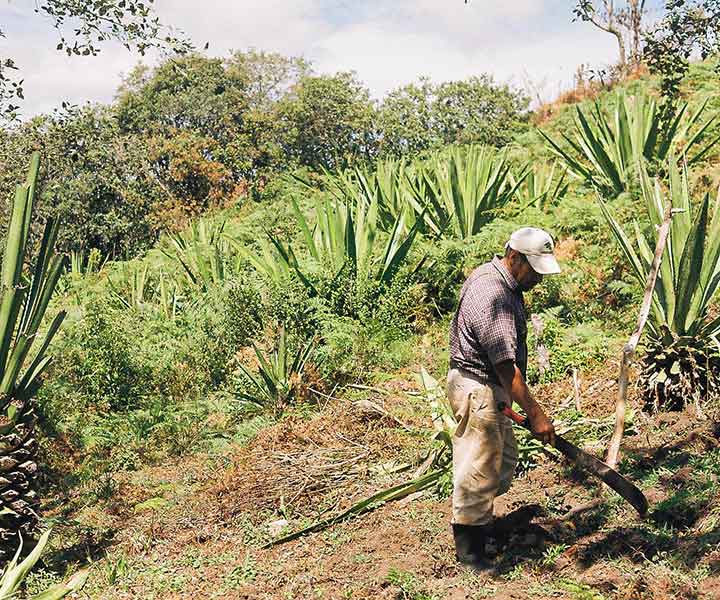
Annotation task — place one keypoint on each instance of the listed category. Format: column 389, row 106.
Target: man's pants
column 484, row 448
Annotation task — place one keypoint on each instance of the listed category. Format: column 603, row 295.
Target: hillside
column 169, row 470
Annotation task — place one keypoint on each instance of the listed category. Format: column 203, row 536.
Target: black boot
column 470, row 546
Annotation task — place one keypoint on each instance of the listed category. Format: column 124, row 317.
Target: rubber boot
column 470, row 546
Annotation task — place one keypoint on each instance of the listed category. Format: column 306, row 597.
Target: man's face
column 524, row 274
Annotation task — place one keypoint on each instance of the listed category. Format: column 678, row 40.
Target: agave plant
column 134, row 290
column 388, row 186
column 279, row 376
column 605, row 151
column 24, row 299
column 204, row 253
column 14, row 573
column 544, row 184
column 83, row 262
column 459, row 190
column 681, row 351
column 344, row 239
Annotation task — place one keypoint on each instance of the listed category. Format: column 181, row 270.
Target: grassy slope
column 192, row 527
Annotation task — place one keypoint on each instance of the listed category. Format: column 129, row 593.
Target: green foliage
column 687, row 28
column 552, row 553
column 279, row 375
column 24, row 301
column 16, row 571
column 353, row 349
column 605, row 153
column 544, row 185
column 204, row 253
column 581, row 346
column 529, row 449
column 410, row 586
column 465, row 188
column 342, row 252
column 327, row 121
column 686, row 280
column 97, row 182
column 424, row 116
column 687, row 283
column 100, row 363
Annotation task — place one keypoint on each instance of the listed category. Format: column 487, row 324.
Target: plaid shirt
column 490, row 323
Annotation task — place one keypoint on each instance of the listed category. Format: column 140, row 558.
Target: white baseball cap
column 537, row 245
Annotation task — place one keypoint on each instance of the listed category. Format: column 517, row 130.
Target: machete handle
column 517, row 417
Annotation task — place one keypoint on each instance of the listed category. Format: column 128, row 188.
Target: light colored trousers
column 485, row 452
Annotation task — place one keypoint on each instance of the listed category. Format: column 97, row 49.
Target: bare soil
column 194, row 528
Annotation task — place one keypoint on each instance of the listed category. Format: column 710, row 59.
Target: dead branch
column 576, row 385
column 574, row 512
column 629, row 349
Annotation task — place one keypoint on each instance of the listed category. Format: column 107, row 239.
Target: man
column 488, row 362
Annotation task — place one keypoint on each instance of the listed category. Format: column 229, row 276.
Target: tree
column 422, row 116
column 327, row 121
column 269, row 75
column 228, row 101
column 625, row 23
column 96, row 180
column 688, row 27
column 131, row 22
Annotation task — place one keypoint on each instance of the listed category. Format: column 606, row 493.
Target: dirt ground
column 196, row 528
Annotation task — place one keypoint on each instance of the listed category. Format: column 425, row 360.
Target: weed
column 38, row 580
column 552, row 553
column 244, row 573
column 411, row 588
column 578, row 591
column 115, row 570
column 515, row 573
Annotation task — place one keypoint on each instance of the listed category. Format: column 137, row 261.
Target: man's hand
column 542, row 427
column 514, row 383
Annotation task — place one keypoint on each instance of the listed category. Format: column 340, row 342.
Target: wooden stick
column 576, row 384
column 575, row 511
column 629, row 349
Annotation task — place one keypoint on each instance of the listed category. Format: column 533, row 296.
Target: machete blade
column 612, row 478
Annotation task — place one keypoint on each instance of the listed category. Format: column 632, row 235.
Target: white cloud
column 386, row 43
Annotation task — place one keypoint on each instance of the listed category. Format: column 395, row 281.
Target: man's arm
column 514, row 383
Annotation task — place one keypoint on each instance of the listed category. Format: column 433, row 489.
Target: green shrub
column 289, row 303
column 580, row 346
column 351, row 350
column 243, row 311
column 97, row 363
column 402, row 306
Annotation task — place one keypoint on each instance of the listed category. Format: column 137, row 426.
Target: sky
column 531, row 44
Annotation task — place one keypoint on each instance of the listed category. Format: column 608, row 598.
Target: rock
column 277, row 526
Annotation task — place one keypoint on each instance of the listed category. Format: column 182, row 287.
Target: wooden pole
column 629, row 349
column 576, row 384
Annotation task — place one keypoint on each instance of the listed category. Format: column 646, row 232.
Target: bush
column 581, row 346
column 352, row 349
column 98, row 364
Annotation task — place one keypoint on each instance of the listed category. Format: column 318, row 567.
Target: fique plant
column 25, row 293
column 463, row 188
column 682, row 337
column 605, row 151
column 544, row 184
column 279, row 375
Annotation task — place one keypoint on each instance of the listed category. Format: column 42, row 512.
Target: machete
column 612, row 478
